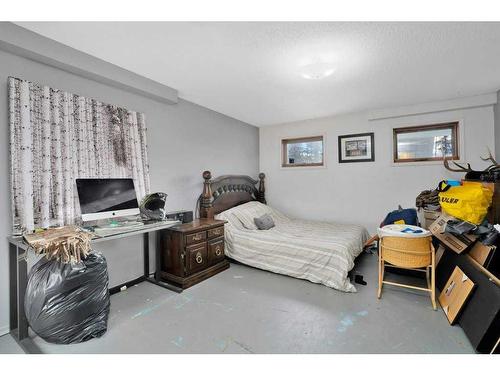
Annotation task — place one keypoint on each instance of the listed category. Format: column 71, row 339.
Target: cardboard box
column 455, row 294
column 430, row 217
column 457, row 243
column 439, row 253
column 482, row 253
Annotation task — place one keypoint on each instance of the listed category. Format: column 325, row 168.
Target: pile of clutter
column 456, row 214
column 462, row 220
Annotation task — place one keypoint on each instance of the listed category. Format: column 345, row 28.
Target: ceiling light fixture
column 316, row 70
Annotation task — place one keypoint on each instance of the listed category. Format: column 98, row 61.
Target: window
column 426, row 143
column 302, row 152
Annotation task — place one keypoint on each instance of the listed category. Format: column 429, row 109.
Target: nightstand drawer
column 215, row 232
column 216, row 250
column 195, row 237
column 196, row 257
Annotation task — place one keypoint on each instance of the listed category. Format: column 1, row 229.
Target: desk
column 18, row 278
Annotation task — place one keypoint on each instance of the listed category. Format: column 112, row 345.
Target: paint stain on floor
column 222, row 344
column 349, row 320
column 178, row 341
column 152, row 308
column 183, row 300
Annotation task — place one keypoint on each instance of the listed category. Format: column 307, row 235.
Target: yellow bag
column 468, row 202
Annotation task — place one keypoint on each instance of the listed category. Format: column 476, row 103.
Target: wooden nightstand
column 192, row 252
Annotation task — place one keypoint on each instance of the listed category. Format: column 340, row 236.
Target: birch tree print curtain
column 57, row 137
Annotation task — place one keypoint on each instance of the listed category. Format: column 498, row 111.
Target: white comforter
column 320, row 252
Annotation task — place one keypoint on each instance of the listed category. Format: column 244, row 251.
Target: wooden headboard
column 225, row 192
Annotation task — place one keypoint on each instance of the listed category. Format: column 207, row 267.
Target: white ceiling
column 250, row 71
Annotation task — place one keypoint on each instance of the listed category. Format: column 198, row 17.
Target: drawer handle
column 199, row 258
column 217, row 231
column 197, row 237
column 218, row 252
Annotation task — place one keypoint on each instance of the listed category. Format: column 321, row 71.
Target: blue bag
column 402, row 216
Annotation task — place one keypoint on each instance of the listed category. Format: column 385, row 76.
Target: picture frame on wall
column 355, row 148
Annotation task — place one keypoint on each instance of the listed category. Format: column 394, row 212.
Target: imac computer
column 107, row 198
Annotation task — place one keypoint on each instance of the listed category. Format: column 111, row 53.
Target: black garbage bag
column 68, row 303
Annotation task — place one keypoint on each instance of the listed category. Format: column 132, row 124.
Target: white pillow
column 249, row 211
column 230, row 218
column 246, row 212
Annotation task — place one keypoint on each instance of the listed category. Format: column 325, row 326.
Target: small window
column 426, row 143
column 302, row 152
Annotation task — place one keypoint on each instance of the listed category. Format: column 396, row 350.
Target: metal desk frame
column 18, row 279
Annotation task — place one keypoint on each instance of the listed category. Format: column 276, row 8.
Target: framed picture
column 356, row 148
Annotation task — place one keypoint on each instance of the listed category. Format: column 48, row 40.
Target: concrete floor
column 9, row 346
column 245, row 310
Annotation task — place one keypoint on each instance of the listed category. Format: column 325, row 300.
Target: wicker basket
column 406, row 252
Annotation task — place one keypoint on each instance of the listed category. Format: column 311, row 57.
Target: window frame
column 455, row 129
column 287, row 141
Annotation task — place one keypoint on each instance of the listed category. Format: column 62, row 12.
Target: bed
column 321, row 252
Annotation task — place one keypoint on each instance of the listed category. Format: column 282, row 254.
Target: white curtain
column 57, row 137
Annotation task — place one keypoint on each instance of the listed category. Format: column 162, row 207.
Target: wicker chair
column 408, row 253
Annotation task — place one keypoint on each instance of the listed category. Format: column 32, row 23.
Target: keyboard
column 128, row 227
column 110, row 231
column 161, row 223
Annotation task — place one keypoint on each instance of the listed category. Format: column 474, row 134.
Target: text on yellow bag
column 468, row 202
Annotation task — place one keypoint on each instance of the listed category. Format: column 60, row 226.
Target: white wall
column 184, row 139
column 497, row 127
column 364, row 192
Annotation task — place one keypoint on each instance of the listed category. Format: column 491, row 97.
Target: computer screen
column 102, row 198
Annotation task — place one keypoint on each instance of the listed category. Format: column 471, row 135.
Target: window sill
column 421, row 163
column 301, row 167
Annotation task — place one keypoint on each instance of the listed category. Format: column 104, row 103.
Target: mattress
column 321, row 252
